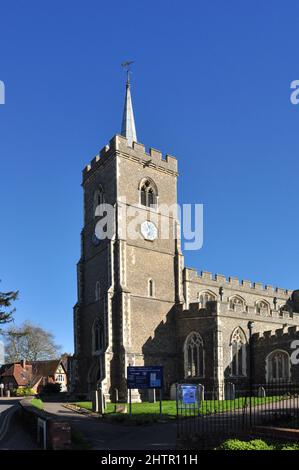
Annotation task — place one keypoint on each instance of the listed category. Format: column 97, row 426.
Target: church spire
column 128, row 128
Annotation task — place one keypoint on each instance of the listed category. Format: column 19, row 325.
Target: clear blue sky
column 211, row 85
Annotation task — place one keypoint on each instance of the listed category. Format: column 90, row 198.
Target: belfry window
column 148, row 194
column 98, row 198
column 238, row 352
column 194, row 355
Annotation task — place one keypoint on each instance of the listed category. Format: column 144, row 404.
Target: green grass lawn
column 214, row 406
column 168, row 407
column 152, row 410
column 37, row 402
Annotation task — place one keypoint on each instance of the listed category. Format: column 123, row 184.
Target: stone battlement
column 191, row 275
column 248, row 312
column 270, row 335
column 119, row 144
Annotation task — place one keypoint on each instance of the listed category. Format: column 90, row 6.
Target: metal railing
column 230, row 410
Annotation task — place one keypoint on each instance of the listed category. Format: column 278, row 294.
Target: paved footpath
column 12, row 434
column 106, row 436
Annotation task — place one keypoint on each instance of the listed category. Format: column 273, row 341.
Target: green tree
column 6, row 300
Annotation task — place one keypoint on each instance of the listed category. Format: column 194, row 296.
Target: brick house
column 15, row 375
column 35, row 374
column 50, row 372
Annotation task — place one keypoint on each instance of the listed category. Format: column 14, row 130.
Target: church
column 139, row 305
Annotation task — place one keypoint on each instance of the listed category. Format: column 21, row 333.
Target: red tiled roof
column 32, row 372
column 21, row 376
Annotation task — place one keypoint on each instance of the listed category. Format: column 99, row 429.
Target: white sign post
column 42, row 432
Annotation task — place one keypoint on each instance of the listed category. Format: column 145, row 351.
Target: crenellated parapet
column 119, row 145
column 219, row 280
column 251, row 312
column 271, row 336
column 247, row 312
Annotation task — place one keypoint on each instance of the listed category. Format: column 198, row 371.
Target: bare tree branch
column 30, row 342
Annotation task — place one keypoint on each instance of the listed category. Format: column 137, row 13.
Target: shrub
column 255, row 444
column 24, row 392
column 289, row 447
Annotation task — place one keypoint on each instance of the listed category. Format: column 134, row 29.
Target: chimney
column 23, row 363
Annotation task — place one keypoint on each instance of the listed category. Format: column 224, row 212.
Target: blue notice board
column 189, row 394
column 145, row 377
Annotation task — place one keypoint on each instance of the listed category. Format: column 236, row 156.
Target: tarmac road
column 8, row 407
column 106, row 436
column 12, row 434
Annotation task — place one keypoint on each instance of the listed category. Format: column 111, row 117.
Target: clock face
column 149, row 230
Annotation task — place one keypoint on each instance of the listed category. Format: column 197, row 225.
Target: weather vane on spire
column 127, row 66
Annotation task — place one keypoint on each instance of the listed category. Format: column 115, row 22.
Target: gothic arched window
column 97, row 291
column 278, row 366
column 194, row 355
column 204, row 297
column 98, row 198
column 148, row 193
column 236, row 303
column 97, row 337
column 238, row 352
column 262, row 306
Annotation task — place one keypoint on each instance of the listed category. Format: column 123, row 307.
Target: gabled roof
column 45, row 368
column 21, row 375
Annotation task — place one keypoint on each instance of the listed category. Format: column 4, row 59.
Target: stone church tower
column 138, row 304
column 129, row 284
